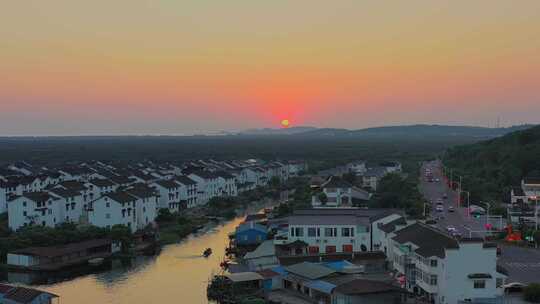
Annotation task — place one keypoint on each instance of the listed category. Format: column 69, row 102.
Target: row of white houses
column 105, row 197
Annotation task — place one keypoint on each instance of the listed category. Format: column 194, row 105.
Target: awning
column 321, row 286
column 479, row 276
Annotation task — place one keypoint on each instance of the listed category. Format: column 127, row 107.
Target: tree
column 274, row 182
column 164, row 215
column 322, row 198
column 531, row 293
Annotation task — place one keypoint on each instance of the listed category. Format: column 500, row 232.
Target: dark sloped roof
column 55, row 251
column 224, row 175
column 184, row 180
column 65, row 193
column 121, row 179
column 22, row 295
column 73, row 185
column 391, row 226
column 336, row 182
column 204, row 174
column 362, row 286
column 101, row 182
column 309, row 270
column 169, row 184
column 430, row 242
column 121, row 197
column 38, row 196
column 142, row 192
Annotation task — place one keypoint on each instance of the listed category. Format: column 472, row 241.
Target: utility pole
column 459, row 193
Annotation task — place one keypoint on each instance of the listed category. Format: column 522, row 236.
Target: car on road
column 439, row 208
column 477, row 212
column 450, row 229
column 439, row 201
column 477, row 208
column 437, row 180
column 445, row 196
column 451, row 209
column 456, row 234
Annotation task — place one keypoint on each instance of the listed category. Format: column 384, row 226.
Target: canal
column 177, row 275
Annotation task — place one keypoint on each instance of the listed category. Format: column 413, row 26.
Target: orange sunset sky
column 70, row 67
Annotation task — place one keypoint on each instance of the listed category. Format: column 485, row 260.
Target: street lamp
column 425, row 204
column 468, row 203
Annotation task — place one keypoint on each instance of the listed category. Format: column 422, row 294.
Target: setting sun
column 285, row 123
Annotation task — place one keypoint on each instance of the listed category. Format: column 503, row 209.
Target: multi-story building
column 115, row 208
column 70, row 204
column 227, row 184
column 146, row 204
column 444, row 270
column 188, row 190
column 34, row 208
column 169, row 195
column 100, row 186
column 207, row 185
column 335, row 229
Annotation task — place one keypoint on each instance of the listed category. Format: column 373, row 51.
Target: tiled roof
column 100, row 182
column 391, row 226
column 362, row 287
column 168, row 184
column 309, row 270
column 121, row 197
column 38, row 196
column 56, row 251
column 336, row 182
column 430, row 242
column 184, row 180
column 65, row 193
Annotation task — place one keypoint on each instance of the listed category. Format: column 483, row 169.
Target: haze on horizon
column 180, row 67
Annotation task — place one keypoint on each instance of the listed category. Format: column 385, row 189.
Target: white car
column 439, row 208
column 451, row 229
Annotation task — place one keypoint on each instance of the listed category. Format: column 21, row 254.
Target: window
column 72, row 206
column 347, row 232
column 292, row 231
column 24, row 204
column 50, row 211
column 433, row 280
column 499, row 282
column 433, row 263
column 479, row 284
column 330, row 232
column 108, row 205
column 312, row 232
column 299, row 232
column 24, row 213
column 67, row 207
column 108, row 216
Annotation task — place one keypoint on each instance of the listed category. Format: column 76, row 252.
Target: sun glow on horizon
column 285, row 123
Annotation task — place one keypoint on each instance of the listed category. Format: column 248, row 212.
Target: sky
column 78, row 67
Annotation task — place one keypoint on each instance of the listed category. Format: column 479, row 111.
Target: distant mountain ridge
column 390, row 131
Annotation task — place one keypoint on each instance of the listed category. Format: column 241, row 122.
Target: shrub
column 531, row 293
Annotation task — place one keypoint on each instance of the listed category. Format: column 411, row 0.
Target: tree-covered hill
column 490, row 168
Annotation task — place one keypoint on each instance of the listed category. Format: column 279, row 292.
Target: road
column 522, row 264
column 468, row 226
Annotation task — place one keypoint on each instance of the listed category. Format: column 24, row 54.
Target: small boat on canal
column 207, row 252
